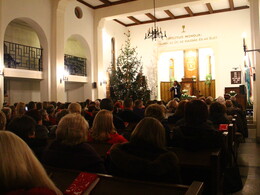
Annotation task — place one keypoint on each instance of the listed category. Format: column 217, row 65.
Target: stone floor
column 249, row 164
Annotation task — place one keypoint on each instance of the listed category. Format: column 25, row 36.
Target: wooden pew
column 202, row 166
column 109, row 184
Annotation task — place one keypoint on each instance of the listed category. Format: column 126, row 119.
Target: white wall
column 82, row 31
column 23, row 90
column 223, row 32
column 75, row 92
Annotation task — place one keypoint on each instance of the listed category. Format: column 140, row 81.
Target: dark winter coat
column 144, row 162
column 79, row 157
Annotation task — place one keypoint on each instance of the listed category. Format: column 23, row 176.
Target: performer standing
column 176, row 89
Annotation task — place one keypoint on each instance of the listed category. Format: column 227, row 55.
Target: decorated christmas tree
column 126, row 77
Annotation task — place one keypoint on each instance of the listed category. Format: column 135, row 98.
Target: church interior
column 60, row 52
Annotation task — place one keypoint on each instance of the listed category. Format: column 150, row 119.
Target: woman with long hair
column 103, row 129
column 20, row 171
column 145, row 156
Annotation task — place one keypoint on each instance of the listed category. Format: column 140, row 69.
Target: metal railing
column 75, row 65
column 22, row 56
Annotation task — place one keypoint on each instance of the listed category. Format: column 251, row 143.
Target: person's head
column 107, row 104
column 196, row 112
column 74, row 108
column 8, row 112
column 138, row 103
column 44, row 115
column 217, row 108
column 19, row 168
column 39, row 106
column 59, row 115
column 181, row 108
column 50, row 110
column 35, row 115
column 31, row 105
column 172, row 104
column 229, row 103
column 209, row 100
column 23, row 126
column 149, row 131
column 128, row 103
column 72, row 129
column 176, row 83
column 156, row 111
column 102, row 125
column 20, row 109
column 2, row 121
column 221, row 99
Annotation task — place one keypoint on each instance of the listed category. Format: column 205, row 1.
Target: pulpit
column 188, row 84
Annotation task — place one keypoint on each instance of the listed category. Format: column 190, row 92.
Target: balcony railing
column 75, row 65
column 22, row 56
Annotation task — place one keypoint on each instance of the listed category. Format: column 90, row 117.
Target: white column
column 254, row 15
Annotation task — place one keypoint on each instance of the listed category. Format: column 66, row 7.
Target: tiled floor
column 249, row 164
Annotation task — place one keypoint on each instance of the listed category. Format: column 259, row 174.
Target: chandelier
column 155, row 32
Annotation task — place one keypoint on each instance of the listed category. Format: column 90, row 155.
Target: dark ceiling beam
column 189, row 11
column 106, row 2
column 85, row 3
column 151, row 16
column 211, row 11
column 134, row 19
column 118, row 21
column 169, row 13
column 231, row 4
column 188, row 15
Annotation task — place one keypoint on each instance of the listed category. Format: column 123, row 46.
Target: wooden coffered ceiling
column 170, row 13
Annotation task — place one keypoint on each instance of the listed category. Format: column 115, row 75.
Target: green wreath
column 208, row 79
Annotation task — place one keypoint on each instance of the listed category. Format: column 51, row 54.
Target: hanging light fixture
column 155, row 32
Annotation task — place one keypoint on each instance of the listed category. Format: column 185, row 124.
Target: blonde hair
column 149, row 131
column 74, row 108
column 19, row 168
column 2, row 120
column 103, row 126
column 72, row 129
column 20, row 109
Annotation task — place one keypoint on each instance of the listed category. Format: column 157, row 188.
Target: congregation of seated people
column 59, row 135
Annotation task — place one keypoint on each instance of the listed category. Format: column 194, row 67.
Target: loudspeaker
column 242, row 89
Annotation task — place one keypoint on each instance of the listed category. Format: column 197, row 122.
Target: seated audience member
column 218, row 115
column 41, row 132
column 70, row 149
column 145, row 157
column 241, row 120
column 209, row 101
column 139, row 108
column 31, row 105
column 172, row 106
column 39, row 106
column 2, row 121
column 179, row 114
column 51, row 112
column 20, row 171
column 221, row 100
column 197, row 133
column 103, row 129
column 58, row 116
column 8, row 114
column 45, row 118
column 158, row 112
column 107, row 104
column 74, row 108
column 127, row 115
column 20, row 109
column 24, row 127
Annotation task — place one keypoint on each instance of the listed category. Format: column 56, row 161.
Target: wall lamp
column 248, row 50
